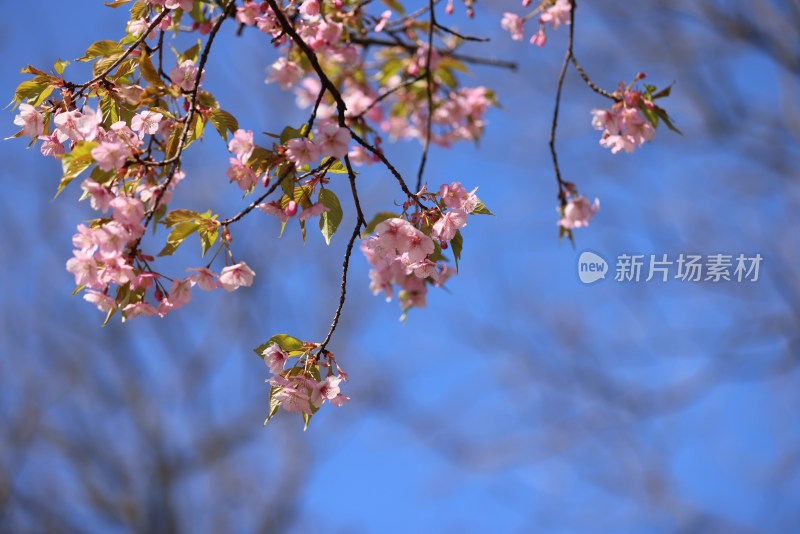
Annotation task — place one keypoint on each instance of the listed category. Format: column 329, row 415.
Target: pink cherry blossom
column 100, row 196
column 236, row 276
column 242, row 144
column 248, row 13
column 139, row 308
column 513, row 24
column 618, row 143
column 273, row 209
column 302, row 151
column 318, row 208
column 445, row 228
column 146, row 123
column 204, row 278
column 539, row 38
column 51, row 145
column 103, row 302
column 110, row 155
column 66, row 123
column 241, row 174
column 186, row 5
column 31, row 120
column 128, row 211
column 139, row 26
column 578, row 211
column 286, row 73
column 557, row 14
column 180, row 293
column 84, row 267
column 382, row 21
column 332, row 139
column 309, row 9
column 324, row 390
column 185, row 75
column 275, row 358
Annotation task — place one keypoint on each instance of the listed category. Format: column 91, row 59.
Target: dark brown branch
column 428, row 94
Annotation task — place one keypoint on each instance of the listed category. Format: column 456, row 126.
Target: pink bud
column 205, row 28
column 291, row 209
column 186, row 105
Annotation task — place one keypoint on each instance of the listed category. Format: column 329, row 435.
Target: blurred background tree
column 523, row 401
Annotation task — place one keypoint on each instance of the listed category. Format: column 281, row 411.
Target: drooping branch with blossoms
column 363, row 76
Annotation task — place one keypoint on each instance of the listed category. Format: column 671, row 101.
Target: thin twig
column 387, row 93
column 461, row 36
column 442, row 51
column 429, row 94
column 342, row 295
column 589, row 82
column 562, row 189
column 127, row 52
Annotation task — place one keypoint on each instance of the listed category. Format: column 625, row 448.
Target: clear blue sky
column 520, row 400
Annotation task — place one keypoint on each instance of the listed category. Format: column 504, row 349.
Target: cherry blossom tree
column 366, row 72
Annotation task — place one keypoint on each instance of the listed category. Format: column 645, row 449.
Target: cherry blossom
column 513, row 24
column 31, row 120
column 578, row 212
column 275, row 358
column 185, row 75
column 236, row 276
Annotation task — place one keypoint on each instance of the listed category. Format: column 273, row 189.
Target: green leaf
column 179, row 216
column 138, row 9
column 35, row 91
column 109, row 108
column 116, row 3
column 177, row 236
column 329, row 220
column 274, row 404
column 224, row 122
column 481, row 209
column 456, row 244
column 290, row 133
column 437, row 255
column 199, row 126
column 101, row 49
column 376, row 220
column 60, row 66
column 664, row 92
column 395, row 6
column 207, row 238
column 192, row 53
column 337, row 167
column 286, row 342
column 75, row 162
column 149, row 72
column 663, row 115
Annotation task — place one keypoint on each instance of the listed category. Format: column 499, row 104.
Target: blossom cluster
column 406, row 255
column 553, row 12
column 301, row 388
column 623, row 126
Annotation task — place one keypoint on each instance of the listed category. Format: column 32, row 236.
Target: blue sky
column 520, row 400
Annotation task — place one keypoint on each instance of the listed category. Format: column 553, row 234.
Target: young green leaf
column 329, row 221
